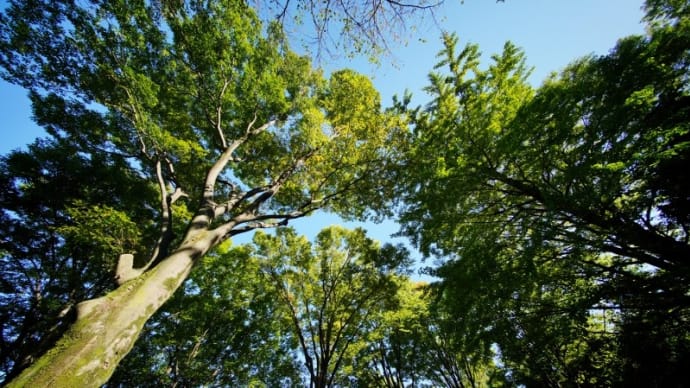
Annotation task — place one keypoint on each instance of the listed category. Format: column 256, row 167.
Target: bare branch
column 251, row 123
column 263, row 193
column 416, row 6
column 166, row 218
column 219, row 118
column 281, row 16
column 177, row 194
column 226, row 157
column 207, row 210
column 125, row 270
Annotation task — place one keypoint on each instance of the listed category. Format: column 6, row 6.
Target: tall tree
column 560, row 201
column 394, row 356
column 582, row 163
column 233, row 130
column 331, row 290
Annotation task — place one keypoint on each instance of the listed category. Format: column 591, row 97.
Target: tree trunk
column 107, row 327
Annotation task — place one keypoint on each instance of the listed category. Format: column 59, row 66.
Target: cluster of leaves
column 562, row 210
column 330, row 292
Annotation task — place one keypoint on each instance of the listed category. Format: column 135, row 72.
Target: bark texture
column 107, row 327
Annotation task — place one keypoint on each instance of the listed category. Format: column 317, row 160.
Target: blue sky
column 551, row 32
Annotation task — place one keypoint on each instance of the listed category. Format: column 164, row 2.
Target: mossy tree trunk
column 106, row 328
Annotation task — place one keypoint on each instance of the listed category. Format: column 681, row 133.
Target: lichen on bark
column 105, row 330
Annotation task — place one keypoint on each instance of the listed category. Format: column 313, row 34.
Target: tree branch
column 206, row 211
column 125, row 270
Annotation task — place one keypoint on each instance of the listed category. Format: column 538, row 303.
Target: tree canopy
column 284, row 311
column 330, row 292
column 560, row 203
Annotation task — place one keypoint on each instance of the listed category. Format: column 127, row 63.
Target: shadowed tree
column 415, row 345
column 553, row 204
column 63, row 226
